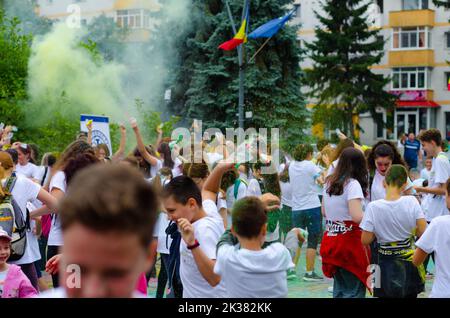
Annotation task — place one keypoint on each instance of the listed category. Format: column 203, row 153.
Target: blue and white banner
column 100, row 129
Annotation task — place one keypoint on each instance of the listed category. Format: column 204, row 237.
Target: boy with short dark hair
column 248, row 270
column 107, row 219
column 436, row 239
column 201, row 226
column 435, row 202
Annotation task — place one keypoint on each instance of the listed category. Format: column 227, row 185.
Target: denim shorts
column 310, row 219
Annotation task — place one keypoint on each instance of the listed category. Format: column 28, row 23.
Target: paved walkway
column 301, row 289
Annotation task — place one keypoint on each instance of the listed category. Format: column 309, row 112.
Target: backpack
column 11, row 220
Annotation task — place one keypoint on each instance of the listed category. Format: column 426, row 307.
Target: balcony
column 416, row 95
column 411, row 58
column 138, row 35
column 411, row 18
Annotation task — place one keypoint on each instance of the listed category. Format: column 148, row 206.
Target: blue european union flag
column 270, row 28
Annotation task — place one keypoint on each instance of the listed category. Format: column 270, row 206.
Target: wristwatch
column 195, row 245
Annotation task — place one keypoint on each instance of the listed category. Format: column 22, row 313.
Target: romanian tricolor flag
column 239, row 38
column 448, row 84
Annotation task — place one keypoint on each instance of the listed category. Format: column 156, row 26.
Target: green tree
column 14, row 54
column 152, row 119
column 206, row 81
column 445, row 4
column 108, row 36
column 341, row 81
column 26, row 10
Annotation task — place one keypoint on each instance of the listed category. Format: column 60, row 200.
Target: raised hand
column 271, row 202
column 133, row 123
column 123, row 130
column 159, row 129
column 89, row 124
column 187, row 231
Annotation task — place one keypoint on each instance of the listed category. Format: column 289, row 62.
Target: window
column 447, row 40
column 134, row 19
column 415, row 38
column 415, row 4
column 409, row 78
column 379, row 125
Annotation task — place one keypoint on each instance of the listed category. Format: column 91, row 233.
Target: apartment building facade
column 416, row 56
column 134, row 14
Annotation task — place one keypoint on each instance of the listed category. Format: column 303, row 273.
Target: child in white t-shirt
column 201, row 226
column 248, row 270
column 437, row 239
column 394, row 221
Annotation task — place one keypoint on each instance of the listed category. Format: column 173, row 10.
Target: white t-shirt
column 253, row 188
column 437, row 239
column 25, row 191
column 400, row 148
column 319, row 188
column 281, row 168
column 392, row 221
column 304, row 195
column 160, row 232
column 336, row 207
column 241, row 193
column 155, row 169
column 177, row 168
column 211, row 210
column 254, row 274
column 332, row 167
column 55, row 237
column 213, row 157
column 425, row 174
column 207, row 231
column 286, row 194
column 439, row 174
column 378, row 190
column 221, row 202
column 42, row 173
column 29, row 171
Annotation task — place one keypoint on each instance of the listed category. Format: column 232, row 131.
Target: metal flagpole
column 242, row 72
column 241, row 63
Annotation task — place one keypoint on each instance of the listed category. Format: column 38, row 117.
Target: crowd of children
column 221, row 229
